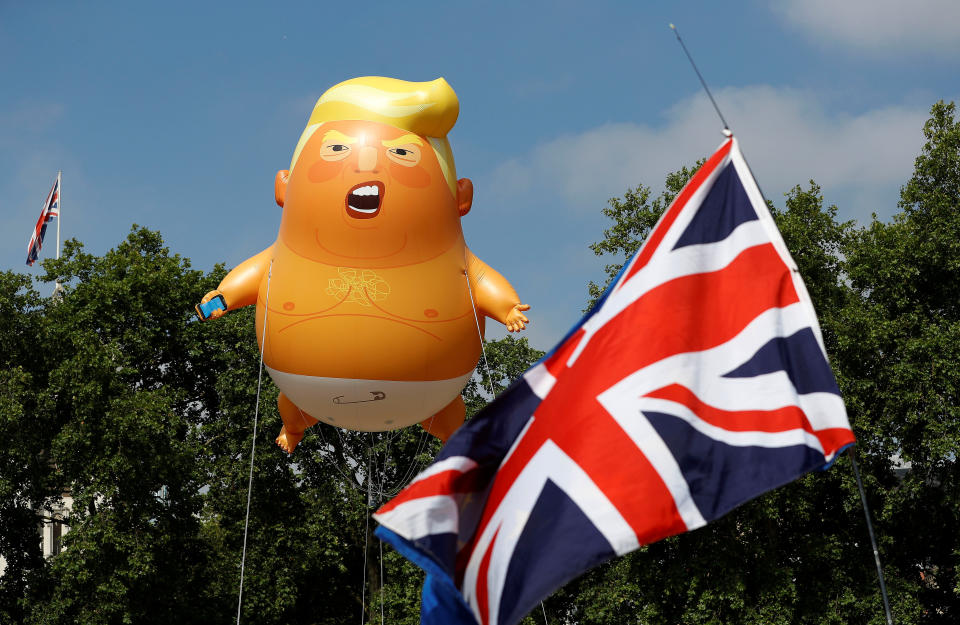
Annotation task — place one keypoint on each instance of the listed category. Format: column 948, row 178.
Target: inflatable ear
column 464, row 196
column 280, row 186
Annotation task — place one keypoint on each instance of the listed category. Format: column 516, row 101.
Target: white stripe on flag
column 423, row 516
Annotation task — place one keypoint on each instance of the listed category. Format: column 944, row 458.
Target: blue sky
column 177, row 116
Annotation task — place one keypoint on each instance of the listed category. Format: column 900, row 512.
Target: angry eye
column 334, row 151
column 407, row 155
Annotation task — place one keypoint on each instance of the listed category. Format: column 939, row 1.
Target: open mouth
column 364, row 200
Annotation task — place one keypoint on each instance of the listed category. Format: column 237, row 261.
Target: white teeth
column 371, row 191
column 367, row 190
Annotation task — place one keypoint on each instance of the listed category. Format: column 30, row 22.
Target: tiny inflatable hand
column 516, row 320
column 215, row 314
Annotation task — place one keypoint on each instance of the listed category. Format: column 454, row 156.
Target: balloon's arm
column 495, row 297
column 240, row 287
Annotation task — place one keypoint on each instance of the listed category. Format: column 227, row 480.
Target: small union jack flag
column 51, row 210
column 699, row 382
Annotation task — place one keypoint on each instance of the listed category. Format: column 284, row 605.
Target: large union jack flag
column 51, row 210
column 699, row 382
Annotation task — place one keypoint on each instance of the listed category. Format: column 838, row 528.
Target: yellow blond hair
column 428, row 109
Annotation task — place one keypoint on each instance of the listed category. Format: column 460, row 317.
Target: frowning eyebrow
column 336, row 135
column 404, row 140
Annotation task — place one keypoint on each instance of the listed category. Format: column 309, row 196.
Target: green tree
column 27, row 479
column 116, row 401
column 503, row 361
column 146, row 417
column 900, row 357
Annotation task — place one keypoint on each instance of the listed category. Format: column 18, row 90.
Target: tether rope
column 486, row 364
column 253, row 446
column 483, row 350
column 366, row 528
column 328, row 447
column 414, row 466
column 383, row 476
column 381, row 490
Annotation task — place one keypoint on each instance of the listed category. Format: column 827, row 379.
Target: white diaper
column 368, row 405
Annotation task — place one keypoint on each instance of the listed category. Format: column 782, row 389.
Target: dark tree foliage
column 114, row 394
column 502, row 362
column 26, row 476
column 901, row 357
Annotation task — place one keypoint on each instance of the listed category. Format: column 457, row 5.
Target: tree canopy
column 113, row 393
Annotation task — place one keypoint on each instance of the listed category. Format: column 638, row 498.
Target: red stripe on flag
column 833, row 439
column 557, row 361
column 482, row 590
column 688, row 314
column 778, row 420
column 450, row 482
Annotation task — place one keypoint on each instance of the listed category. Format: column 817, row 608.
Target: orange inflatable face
column 366, row 194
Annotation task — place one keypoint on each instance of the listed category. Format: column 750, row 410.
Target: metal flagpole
column 702, row 81
column 56, row 287
column 59, row 210
column 856, row 471
column 873, row 540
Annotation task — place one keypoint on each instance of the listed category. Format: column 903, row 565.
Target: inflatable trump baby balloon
column 370, row 306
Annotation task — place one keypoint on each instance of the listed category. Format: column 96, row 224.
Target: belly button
column 288, row 305
column 430, row 313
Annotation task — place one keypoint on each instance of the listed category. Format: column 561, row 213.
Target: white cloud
column 786, row 135
column 886, row 27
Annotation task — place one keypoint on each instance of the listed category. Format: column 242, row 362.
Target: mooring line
column 253, row 446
